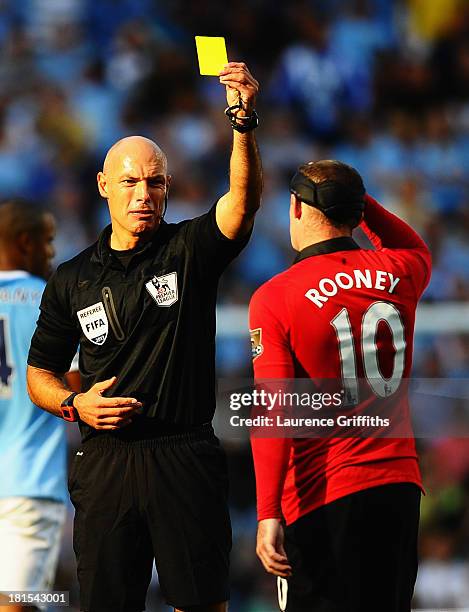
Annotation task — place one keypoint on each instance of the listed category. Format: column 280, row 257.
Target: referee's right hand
column 105, row 412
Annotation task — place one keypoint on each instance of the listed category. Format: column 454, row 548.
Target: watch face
column 68, row 413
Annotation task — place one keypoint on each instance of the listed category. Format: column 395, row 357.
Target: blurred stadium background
column 380, row 84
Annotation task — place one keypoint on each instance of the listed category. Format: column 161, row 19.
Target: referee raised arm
column 149, row 481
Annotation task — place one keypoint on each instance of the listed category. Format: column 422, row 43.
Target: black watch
column 69, row 412
column 242, row 124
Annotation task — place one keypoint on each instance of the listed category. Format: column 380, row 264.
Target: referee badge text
column 163, row 289
column 94, row 323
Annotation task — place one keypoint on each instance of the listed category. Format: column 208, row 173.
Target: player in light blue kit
column 32, row 442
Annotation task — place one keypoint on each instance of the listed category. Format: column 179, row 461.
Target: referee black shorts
column 356, row 554
column 162, row 499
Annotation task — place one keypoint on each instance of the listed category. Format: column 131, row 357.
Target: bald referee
column 149, row 481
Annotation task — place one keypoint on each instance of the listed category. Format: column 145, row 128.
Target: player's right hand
column 105, row 412
column 270, row 548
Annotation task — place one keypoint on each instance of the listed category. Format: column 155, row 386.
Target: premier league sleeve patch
column 163, row 289
column 94, row 323
column 257, row 347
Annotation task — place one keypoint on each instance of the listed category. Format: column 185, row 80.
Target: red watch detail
column 69, row 412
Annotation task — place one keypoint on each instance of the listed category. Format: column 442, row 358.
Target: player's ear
column 102, row 184
column 295, row 204
column 25, row 243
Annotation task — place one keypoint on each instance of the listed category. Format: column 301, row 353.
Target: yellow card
column 211, row 51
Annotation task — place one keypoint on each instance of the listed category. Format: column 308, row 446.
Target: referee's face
column 135, row 183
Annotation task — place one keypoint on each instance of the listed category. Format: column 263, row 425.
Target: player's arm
column 272, row 360
column 236, row 209
column 387, row 231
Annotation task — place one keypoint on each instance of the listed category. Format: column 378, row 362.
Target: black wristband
column 68, row 401
column 242, row 124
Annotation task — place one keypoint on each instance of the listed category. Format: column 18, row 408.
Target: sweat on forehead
column 138, row 148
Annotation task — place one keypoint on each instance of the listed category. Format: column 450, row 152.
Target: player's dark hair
column 17, row 216
column 346, row 192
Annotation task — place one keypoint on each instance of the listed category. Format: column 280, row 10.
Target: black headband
column 330, row 197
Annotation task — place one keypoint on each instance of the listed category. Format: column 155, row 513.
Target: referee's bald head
column 133, row 146
column 135, row 183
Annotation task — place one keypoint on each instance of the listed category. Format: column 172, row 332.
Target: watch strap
column 69, row 412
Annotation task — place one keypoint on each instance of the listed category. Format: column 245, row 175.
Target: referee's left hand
column 241, row 86
column 270, row 548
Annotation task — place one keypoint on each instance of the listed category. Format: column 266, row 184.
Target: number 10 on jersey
column 381, row 386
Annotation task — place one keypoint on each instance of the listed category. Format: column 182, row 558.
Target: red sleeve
column 386, row 231
column 272, row 359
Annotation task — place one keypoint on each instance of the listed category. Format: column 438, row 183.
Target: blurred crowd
column 380, row 84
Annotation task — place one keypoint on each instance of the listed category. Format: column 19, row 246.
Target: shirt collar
column 332, row 245
column 103, row 252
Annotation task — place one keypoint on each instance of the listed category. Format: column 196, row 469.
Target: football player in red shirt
column 338, row 516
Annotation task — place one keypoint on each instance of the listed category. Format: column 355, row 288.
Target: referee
column 149, row 481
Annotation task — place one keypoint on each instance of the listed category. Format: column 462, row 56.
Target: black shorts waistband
column 109, row 441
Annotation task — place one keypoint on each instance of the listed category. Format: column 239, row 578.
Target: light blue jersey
column 32, row 441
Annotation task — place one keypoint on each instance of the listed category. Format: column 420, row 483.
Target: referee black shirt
column 146, row 316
